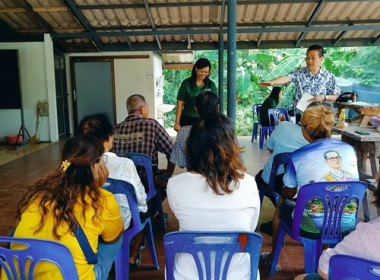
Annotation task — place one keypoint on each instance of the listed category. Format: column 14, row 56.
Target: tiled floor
column 10, row 152
column 17, row 174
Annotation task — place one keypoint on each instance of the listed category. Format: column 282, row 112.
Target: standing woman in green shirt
column 189, row 90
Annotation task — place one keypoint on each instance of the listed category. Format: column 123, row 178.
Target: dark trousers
column 263, row 187
column 298, row 118
column 187, row 120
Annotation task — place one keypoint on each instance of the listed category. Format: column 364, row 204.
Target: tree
column 254, row 66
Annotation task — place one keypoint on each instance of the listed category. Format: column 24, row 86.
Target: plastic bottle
column 342, row 118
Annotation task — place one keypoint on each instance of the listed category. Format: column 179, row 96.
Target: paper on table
column 304, row 101
column 360, row 103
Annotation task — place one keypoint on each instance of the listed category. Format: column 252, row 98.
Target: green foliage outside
column 254, row 66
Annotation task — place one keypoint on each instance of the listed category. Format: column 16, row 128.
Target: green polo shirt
column 188, row 92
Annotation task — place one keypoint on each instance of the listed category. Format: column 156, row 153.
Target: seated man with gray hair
column 140, row 134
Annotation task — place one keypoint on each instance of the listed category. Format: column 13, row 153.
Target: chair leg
column 152, row 247
column 261, row 138
column 160, row 210
column 254, row 131
column 312, row 250
column 367, row 207
column 122, row 260
column 261, row 194
column 270, row 130
column 277, row 251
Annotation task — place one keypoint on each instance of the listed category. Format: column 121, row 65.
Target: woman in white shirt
column 120, row 168
column 216, row 194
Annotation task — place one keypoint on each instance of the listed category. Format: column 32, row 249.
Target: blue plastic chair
column 20, row 263
column 342, row 267
column 143, row 160
column 331, row 226
column 218, row 245
column 122, row 258
column 265, row 131
column 278, row 160
column 274, row 115
column 255, row 110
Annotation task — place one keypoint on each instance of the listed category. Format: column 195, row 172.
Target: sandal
column 136, row 264
column 264, row 259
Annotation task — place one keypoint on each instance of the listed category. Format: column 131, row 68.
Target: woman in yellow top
column 71, row 195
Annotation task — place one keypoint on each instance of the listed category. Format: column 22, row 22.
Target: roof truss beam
column 222, row 11
column 340, row 36
column 206, row 3
column 83, row 21
column 176, row 46
column 35, row 16
column 241, row 25
column 216, row 31
column 310, row 21
column 376, row 40
column 151, row 22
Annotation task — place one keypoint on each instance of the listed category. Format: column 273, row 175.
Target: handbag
column 346, row 97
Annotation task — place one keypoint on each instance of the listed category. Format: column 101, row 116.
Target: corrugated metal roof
column 87, row 25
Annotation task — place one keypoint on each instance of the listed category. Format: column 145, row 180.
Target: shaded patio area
column 17, row 174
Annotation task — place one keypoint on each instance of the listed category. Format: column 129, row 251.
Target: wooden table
column 366, row 147
column 363, row 109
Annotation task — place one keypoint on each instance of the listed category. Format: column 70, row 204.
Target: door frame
column 74, row 60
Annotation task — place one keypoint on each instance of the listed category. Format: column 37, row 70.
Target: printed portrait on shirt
column 336, row 173
column 328, row 164
column 322, row 162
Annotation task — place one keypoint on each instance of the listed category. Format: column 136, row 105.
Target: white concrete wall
column 129, row 80
column 36, row 67
column 157, row 70
column 132, row 75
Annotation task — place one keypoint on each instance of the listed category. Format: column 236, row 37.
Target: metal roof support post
column 220, row 71
column 231, row 60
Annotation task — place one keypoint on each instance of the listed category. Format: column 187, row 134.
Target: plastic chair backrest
column 143, row 160
column 334, row 196
column 122, row 258
column 343, row 267
column 21, row 263
column 122, row 187
column 274, row 115
column 278, row 160
column 207, row 244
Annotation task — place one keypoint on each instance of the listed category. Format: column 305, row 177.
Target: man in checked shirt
column 140, row 134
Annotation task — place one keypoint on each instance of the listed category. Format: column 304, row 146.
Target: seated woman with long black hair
column 271, row 102
column 70, row 198
column 216, row 194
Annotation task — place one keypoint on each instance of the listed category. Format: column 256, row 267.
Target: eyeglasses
column 104, row 158
column 334, row 158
